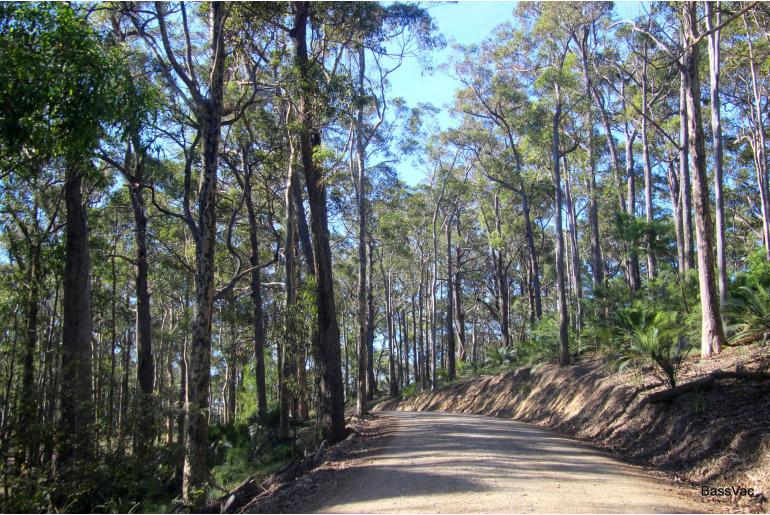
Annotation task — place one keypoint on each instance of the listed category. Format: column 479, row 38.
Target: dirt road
column 442, row 462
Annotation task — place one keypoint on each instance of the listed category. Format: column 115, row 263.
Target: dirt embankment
column 718, row 436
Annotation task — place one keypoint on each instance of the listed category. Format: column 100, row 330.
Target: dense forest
column 209, row 258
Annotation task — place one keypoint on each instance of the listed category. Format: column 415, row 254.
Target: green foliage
column 657, row 338
column 749, row 304
column 59, row 82
column 499, row 356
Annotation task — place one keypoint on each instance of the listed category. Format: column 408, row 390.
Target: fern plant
column 656, row 338
column 750, row 310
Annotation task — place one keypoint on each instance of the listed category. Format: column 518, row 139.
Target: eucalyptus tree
column 495, row 95
column 61, row 95
column 550, row 34
column 203, row 97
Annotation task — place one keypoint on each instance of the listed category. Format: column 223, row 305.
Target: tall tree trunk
column 371, row 382
column 285, row 367
column 648, row 184
column 28, row 397
column 361, row 207
column 597, row 264
column 712, row 334
column 423, row 357
column 432, row 307
column 196, row 470
column 577, row 281
column 113, row 345
column 415, row 342
column 758, row 142
column 676, row 209
column 685, row 195
column 531, row 248
column 256, row 290
column 458, row 303
column 564, row 357
column 145, row 366
column 632, row 269
column 184, row 378
column 392, row 379
column 77, row 418
column 716, row 132
column 502, row 282
column 450, row 328
column 327, row 351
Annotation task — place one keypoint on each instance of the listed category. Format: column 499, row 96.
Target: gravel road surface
column 455, row 463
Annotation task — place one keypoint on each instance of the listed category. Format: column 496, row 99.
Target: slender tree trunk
column 712, row 334
column 648, row 184
column 123, row 422
column 458, row 303
column 327, row 351
column 758, row 142
column 564, row 357
column 371, row 382
column 361, row 206
column 597, row 264
column 28, row 397
column 531, row 251
column 685, row 195
column 450, row 328
column 716, row 132
column 285, row 368
column 145, row 366
column 184, row 378
column 256, row 291
column 502, row 282
column 415, row 342
column 432, row 313
column 392, row 379
column 632, row 270
column 676, row 209
column 196, row 470
column 577, row 282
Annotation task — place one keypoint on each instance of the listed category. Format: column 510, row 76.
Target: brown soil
column 717, row 437
column 288, row 490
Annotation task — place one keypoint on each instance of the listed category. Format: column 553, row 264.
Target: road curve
column 456, row 463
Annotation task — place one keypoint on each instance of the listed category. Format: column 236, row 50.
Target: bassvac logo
column 726, row 491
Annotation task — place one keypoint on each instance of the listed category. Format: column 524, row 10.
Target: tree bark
column 371, row 382
column 327, row 351
column 597, row 264
column 757, row 142
column 145, row 366
column 28, row 396
column 632, row 268
column 564, row 357
column 450, row 328
column 77, row 418
column 712, row 334
column 716, row 132
column 285, row 368
column 361, row 206
column 256, row 291
column 458, row 296
column 685, row 195
column 577, row 282
column 196, row 470
column 648, row 179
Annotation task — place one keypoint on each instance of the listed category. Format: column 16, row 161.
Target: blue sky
column 464, row 22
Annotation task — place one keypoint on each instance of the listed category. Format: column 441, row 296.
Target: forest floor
column 716, row 437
